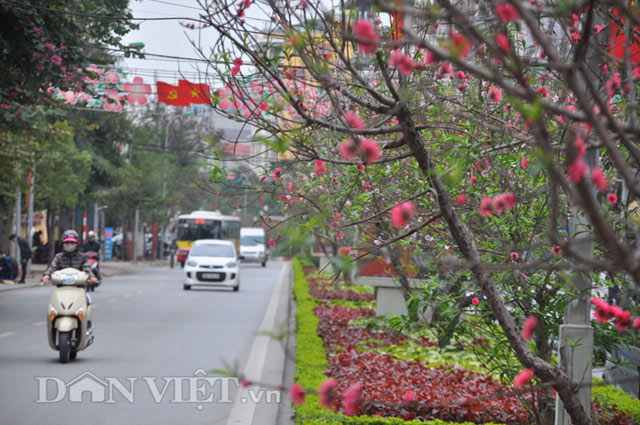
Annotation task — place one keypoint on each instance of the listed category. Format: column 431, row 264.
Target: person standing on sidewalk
column 25, row 254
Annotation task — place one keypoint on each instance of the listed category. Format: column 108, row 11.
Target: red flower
column 475, row 301
column 599, row 178
column 409, row 396
column 636, row 73
column 245, row 383
column 296, row 393
column 237, row 62
column 366, row 36
column 623, row 319
column 462, row 45
column 528, row 327
column 523, row 162
column 504, row 202
column 350, row 397
column 514, row 256
column 543, row 91
column 369, row 150
column 577, row 170
column 272, row 243
column 327, row 393
column 348, row 149
column 486, row 206
column 403, row 62
column 461, row 199
column 344, row 251
column 402, row 213
column 320, row 167
column 612, row 198
column 636, row 323
column 291, row 187
column 276, row 174
column 507, row 12
column 603, row 312
column 472, row 180
column 523, row 377
column 556, row 250
column 495, row 94
column 503, row 43
column 353, row 120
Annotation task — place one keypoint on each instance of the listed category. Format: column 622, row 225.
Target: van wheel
column 64, row 344
column 264, row 263
column 236, row 288
column 186, row 287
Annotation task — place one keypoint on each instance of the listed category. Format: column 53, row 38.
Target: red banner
column 618, row 43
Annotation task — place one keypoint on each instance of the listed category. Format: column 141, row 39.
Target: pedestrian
column 6, row 268
column 25, row 254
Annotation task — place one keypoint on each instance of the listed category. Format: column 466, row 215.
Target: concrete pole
column 32, row 179
column 17, row 218
column 135, row 236
column 95, row 227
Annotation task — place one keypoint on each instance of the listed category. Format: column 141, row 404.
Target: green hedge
column 609, row 396
column 311, row 363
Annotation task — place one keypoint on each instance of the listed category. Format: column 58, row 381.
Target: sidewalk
column 108, row 268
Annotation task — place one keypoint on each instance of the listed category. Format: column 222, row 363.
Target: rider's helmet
column 69, row 240
column 91, row 235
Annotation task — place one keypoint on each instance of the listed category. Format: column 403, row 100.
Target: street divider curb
column 266, row 361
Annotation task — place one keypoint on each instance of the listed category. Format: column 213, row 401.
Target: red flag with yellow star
column 196, row 93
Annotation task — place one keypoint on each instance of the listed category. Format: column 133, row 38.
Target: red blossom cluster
column 402, row 213
column 366, row 36
column 605, row 312
column 497, row 204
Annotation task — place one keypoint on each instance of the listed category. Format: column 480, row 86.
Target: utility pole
column 135, row 237
column 32, row 175
column 17, row 217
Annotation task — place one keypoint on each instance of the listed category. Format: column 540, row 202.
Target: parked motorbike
column 70, row 313
column 94, row 264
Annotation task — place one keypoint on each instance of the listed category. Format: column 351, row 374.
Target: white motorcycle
column 70, row 314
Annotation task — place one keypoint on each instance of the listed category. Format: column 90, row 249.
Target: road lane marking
column 5, row 334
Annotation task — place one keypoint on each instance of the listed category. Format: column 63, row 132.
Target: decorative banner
column 618, row 43
column 108, row 243
column 137, row 91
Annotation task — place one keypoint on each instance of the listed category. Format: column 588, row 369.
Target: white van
column 253, row 247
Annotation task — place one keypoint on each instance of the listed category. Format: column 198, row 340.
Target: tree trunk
column 466, row 245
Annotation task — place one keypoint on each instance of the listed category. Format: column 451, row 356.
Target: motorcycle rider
column 69, row 257
column 91, row 244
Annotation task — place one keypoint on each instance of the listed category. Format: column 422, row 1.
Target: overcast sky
column 166, row 37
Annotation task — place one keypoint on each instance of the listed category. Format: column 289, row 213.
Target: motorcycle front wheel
column 64, row 344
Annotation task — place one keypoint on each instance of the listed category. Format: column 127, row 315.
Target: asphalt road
column 154, row 342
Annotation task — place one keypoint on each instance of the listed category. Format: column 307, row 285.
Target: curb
column 108, row 270
column 266, row 362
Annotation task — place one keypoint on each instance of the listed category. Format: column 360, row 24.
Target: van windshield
column 252, row 240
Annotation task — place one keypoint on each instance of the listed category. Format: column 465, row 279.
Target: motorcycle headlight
column 231, row 264
column 68, row 279
column 192, row 263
